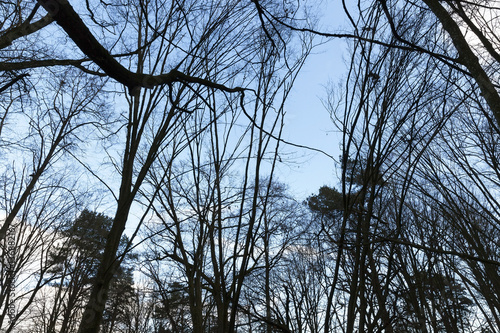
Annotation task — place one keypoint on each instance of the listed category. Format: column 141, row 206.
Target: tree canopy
column 143, row 141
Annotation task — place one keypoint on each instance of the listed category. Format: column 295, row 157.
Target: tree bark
column 467, row 57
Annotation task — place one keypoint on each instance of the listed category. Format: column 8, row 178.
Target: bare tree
column 174, row 59
column 430, row 140
column 38, row 195
column 171, row 45
column 389, row 121
column 214, row 205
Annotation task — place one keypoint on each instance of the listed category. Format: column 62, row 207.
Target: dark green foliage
column 79, row 256
column 77, row 261
column 89, row 231
column 122, row 295
column 327, row 201
column 85, row 239
column 361, row 173
column 172, row 312
column 441, row 302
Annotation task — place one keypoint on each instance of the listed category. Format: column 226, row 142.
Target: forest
column 140, row 142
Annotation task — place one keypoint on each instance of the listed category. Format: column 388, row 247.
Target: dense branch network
column 412, row 226
column 63, row 13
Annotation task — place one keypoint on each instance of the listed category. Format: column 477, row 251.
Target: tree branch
column 22, row 30
column 11, row 83
column 66, row 17
column 14, row 66
column 467, row 56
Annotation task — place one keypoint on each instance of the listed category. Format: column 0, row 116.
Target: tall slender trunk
column 93, row 314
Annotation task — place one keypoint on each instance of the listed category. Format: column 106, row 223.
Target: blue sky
column 307, row 121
